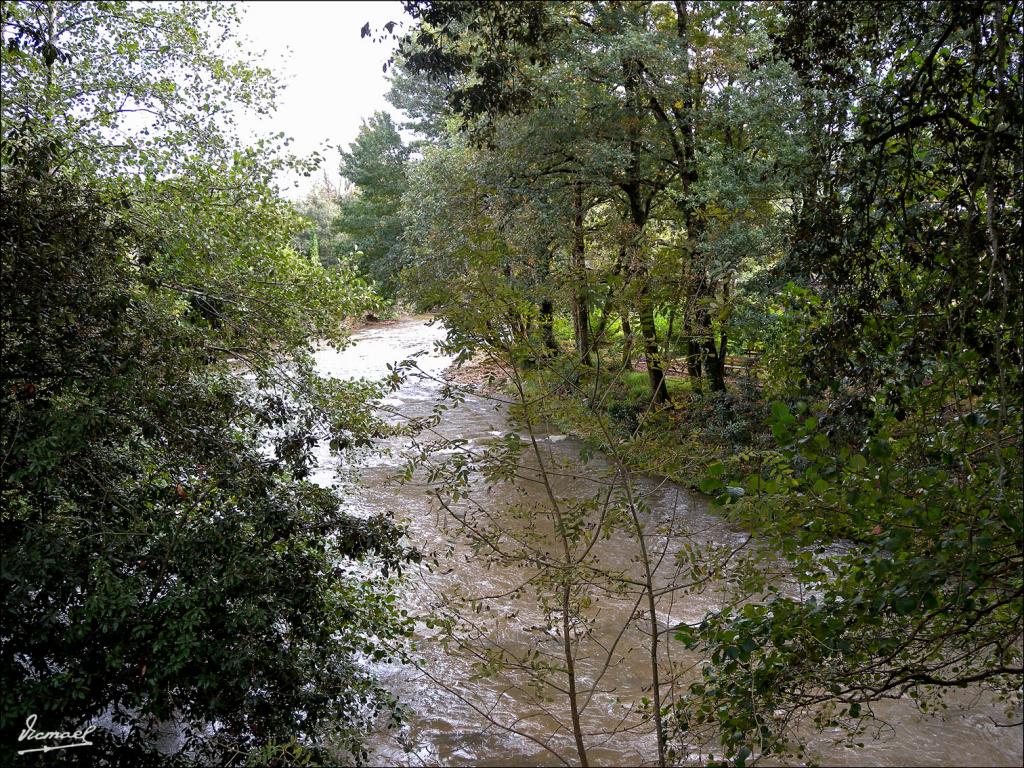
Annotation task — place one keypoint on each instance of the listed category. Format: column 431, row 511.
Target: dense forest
column 769, row 252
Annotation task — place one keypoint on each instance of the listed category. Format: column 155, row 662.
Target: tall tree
column 370, row 214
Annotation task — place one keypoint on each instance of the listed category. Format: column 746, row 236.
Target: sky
column 333, row 78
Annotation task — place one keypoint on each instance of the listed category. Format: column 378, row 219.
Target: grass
column 612, row 412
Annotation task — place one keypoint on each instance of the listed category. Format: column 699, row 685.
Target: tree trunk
column 694, row 334
column 715, row 367
column 581, row 298
column 723, row 347
column 667, row 348
column 547, row 326
column 521, row 327
column 627, row 342
column 518, row 323
column 608, row 305
column 693, row 367
column 570, row 674
column 715, row 358
column 581, row 327
column 655, row 370
column 569, row 655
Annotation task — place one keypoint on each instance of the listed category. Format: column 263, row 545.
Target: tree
column 320, row 208
column 423, row 101
column 870, row 159
column 904, row 428
column 165, row 557
column 704, row 144
column 370, row 214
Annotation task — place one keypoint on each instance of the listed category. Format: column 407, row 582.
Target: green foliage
column 421, row 99
column 165, row 559
column 921, row 594
column 479, row 72
column 896, row 498
column 833, row 186
column 915, row 231
column 370, row 214
column 320, row 238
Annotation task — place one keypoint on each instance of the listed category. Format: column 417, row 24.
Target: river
column 464, row 710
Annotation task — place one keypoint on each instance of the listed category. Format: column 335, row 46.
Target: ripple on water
column 450, row 703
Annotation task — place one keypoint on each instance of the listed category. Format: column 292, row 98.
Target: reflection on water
column 460, row 717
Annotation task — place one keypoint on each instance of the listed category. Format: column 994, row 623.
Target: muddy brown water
column 457, row 714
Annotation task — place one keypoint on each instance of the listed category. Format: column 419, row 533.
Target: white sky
column 332, row 77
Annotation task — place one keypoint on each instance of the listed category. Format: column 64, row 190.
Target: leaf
column 710, row 485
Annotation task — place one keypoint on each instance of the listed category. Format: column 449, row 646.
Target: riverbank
column 482, row 373
column 385, row 317
column 612, row 413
